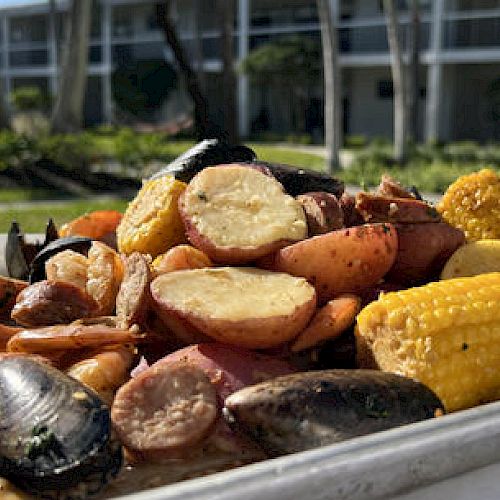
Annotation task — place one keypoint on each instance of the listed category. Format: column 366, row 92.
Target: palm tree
column 333, row 85
column 398, row 81
column 67, row 115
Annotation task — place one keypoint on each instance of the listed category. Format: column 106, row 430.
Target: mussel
column 306, row 410
column 19, row 253
column 205, row 153
column 55, row 439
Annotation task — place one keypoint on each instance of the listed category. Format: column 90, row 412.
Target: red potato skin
column 344, row 261
column 226, row 255
column 252, row 333
column 423, row 251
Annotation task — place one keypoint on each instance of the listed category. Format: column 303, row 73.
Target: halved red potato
column 246, row 307
column 236, row 214
column 344, row 261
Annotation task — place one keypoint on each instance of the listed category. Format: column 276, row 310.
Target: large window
column 28, row 29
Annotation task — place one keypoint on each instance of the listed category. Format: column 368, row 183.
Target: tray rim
column 378, row 465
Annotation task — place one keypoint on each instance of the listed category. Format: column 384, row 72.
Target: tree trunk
column 4, row 109
column 333, row 85
column 202, row 124
column 226, row 13
column 68, row 110
column 413, row 71
column 198, row 45
column 398, row 82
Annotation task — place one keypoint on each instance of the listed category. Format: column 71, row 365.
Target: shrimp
column 96, row 225
column 104, row 276
column 105, row 371
column 73, row 336
column 180, row 257
column 6, row 333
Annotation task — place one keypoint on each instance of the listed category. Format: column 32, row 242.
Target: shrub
column 70, row 151
column 355, row 141
column 29, row 99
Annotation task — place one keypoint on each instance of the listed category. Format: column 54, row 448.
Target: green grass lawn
column 33, row 219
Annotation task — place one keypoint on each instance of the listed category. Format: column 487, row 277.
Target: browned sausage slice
column 52, row 302
column 132, row 301
column 165, row 409
column 323, row 212
column 375, row 208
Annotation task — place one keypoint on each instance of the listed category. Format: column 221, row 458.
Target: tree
column 333, row 85
column 398, row 82
column 202, row 124
column 67, row 115
column 413, row 70
column 226, row 10
column 292, row 63
column 4, row 109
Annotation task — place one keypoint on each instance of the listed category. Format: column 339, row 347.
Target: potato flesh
column 232, row 293
column 237, row 206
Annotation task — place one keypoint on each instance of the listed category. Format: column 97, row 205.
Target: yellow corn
column 445, row 334
column 472, row 204
column 152, row 223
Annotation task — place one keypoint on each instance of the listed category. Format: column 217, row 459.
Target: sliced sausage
column 165, row 410
column 375, row 208
column 351, row 216
column 323, row 212
column 132, row 301
column 392, row 188
column 48, row 303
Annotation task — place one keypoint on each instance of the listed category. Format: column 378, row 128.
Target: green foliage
column 15, row 150
column 141, row 87
column 29, row 99
column 70, row 151
column 431, row 167
column 291, row 60
column 355, row 141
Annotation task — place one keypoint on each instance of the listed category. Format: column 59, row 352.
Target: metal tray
column 372, row 467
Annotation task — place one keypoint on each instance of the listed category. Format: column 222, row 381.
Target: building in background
column 460, row 52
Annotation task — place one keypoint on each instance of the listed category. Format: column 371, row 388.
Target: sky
column 11, row 3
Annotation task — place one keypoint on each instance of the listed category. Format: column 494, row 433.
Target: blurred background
column 96, row 95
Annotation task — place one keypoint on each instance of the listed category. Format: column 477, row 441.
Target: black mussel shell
column 301, row 180
column 204, row 154
column 306, row 410
column 78, row 244
column 19, row 254
column 56, row 433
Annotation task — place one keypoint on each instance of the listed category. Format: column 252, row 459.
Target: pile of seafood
column 238, row 310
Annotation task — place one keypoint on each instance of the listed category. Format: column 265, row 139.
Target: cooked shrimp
column 104, row 276
column 105, row 371
column 180, row 257
column 96, row 225
column 68, row 266
column 72, row 336
column 6, row 333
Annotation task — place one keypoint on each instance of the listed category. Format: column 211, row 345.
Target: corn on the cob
column 472, row 203
column 152, row 223
column 445, row 334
